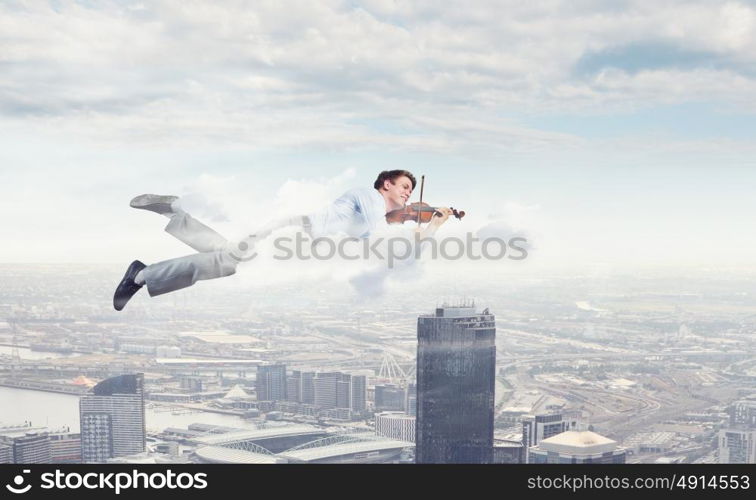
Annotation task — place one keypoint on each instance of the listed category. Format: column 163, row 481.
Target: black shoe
column 154, row 203
column 127, row 288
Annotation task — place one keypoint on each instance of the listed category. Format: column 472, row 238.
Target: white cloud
column 319, row 73
column 100, row 102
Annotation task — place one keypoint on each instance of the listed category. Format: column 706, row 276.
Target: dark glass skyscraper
column 456, row 369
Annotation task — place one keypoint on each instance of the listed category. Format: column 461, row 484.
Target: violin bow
column 422, row 190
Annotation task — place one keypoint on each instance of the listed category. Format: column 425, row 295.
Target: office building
column 65, row 448
column 456, row 368
column 410, row 399
column 389, row 398
column 743, row 414
column 271, row 383
column 308, row 388
column 325, row 385
column 294, row 387
column 396, row 425
column 26, row 445
column 309, row 392
column 508, row 452
column 344, row 391
column 575, row 447
column 359, row 393
column 34, row 448
column 6, row 454
column 112, row 419
column 536, row 428
column 737, row 446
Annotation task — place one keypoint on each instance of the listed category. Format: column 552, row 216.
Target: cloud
column 303, row 196
column 371, row 283
column 100, row 101
column 320, row 74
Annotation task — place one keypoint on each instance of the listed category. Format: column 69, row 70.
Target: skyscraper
column 271, row 383
column 294, row 387
column 331, row 390
column 456, row 368
column 737, row 442
column 112, row 419
column 410, row 400
column 389, row 398
column 344, row 391
column 325, row 385
column 359, row 393
column 308, row 388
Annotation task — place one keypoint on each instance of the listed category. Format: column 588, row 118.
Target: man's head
column 396, row 186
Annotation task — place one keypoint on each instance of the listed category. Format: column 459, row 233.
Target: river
column 57, row 411
column 26, row 353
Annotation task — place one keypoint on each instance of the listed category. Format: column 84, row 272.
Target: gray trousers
column 214, row 259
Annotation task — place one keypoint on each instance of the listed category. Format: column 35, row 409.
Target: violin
column 419, row 212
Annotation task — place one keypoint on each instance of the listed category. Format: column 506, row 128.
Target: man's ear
column 386, row 184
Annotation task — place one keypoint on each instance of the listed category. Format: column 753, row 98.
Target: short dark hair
column 392, row 175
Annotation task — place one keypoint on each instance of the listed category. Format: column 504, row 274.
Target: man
column 358, row 213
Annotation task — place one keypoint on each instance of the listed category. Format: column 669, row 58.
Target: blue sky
column 620, row 134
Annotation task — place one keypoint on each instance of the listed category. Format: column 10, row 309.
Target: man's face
column 398, row 191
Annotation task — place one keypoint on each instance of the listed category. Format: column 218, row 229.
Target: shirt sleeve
column 358, row 213
column 372, row 209
column 336, row 217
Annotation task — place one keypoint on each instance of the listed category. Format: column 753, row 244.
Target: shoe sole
column 154, row 203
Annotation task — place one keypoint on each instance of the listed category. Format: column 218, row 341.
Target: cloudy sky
column 610, row 132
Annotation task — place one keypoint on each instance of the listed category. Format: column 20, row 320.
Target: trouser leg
column 216, row 259
column 244, row 249
column 175, row 274
column 194, row 233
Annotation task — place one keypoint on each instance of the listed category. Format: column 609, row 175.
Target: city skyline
column 658, row 364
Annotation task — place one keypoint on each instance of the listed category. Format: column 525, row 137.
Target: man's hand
column 438, row 220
